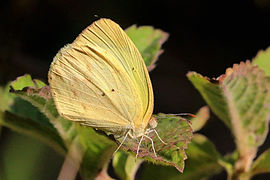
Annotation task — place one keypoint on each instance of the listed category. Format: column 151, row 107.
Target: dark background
column 205, row 36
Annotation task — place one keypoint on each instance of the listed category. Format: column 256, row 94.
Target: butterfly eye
column 103, row 94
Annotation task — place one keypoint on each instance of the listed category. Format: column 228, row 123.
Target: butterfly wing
column 101, row 80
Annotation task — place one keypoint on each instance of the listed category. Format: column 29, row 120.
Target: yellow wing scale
column 101, row 80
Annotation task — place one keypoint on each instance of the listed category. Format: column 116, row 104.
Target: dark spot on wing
column 83, row 106
column 133, row 69
column 112, row 90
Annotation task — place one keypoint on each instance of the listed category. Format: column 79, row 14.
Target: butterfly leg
column 153, row 130
column 152, row 144
column 138, row 148
column 121, row 142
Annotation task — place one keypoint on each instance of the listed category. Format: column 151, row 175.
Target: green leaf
column 203, row 159
column 148, row 41
column 26, row 81
column 125, row 165
column 261, row 164
column 201, row 118
column 262, row 59
column 6, row 98
column 173, row 130
column 202, row 163
column 32, row 128
column 98, row 150
column 158, row 172
column 21, row 116
column 244, row 94
column 212, row 94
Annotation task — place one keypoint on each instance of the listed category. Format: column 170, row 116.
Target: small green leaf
column 201, row 118
column 125, row 165
column 262, row 59
column 202, row 163
column 261, row 164
column 148, row 41
column 174, row 131
column 26, row 81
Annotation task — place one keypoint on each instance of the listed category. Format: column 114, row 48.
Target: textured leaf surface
column 125, row 165
column 202, row 163
column 148, row 41
column 247, row 91
column 245, row 94
column 262, row 59
column 174, row 131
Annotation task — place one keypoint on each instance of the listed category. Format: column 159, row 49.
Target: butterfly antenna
column 184, row 114
column 152, row 144
column 121, row 143
column 138, row 148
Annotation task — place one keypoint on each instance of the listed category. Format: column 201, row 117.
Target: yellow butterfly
column 101, row 81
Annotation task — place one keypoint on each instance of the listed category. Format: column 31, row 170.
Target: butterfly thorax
column 140, row 131
column 137, row 132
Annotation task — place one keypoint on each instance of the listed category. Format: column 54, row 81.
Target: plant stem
column 72, row 161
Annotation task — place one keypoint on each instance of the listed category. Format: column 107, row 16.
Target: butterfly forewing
column 100, row 80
